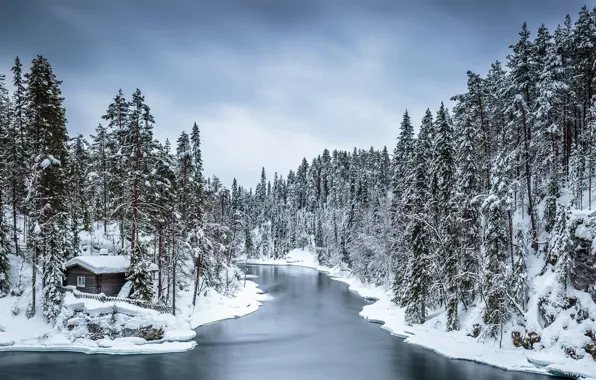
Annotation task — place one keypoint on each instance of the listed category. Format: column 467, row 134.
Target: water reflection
column 310, row 330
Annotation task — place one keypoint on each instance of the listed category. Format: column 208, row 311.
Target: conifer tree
column 102, row 174
column 5, row 174
column 561, row 249
column 119, row 154
column 140, row 275
column 416, row 292
column 495, row 208
column 48, row 185
column 444, row 167
column 20, row 156
column 468, row 185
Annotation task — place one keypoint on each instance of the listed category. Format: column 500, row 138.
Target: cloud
column 269, row 81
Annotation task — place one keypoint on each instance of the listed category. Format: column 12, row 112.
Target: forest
column 449, row 219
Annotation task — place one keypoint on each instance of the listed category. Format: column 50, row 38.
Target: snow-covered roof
column 103, row 264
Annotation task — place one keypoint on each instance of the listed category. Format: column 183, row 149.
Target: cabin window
column 80, row 281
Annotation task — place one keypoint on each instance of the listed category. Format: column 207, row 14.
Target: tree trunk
column 135, row 196
column 160, row 258
column 510, row 227
column 33, row 281
column 529, row 179
column 198, row 271
column 14, row 218
column 174, row 283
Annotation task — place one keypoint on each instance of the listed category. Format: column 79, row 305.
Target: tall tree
column 48, row 183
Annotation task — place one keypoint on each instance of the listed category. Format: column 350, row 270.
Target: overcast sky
column 268, row 81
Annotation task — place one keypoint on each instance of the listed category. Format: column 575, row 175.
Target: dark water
column 310, row 330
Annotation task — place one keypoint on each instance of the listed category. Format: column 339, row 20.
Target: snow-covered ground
column 19, row 333
column 456, row 344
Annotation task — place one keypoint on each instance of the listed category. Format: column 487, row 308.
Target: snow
column 179, row 335
column 120, row 348
column 125, row 291
column 103, row 264
column 216, row 307
column 100, row 264
column 50, row 160
column 457, row 344
column 70, row 333
column 585, row 233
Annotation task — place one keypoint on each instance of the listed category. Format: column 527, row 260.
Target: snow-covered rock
column 179, row 335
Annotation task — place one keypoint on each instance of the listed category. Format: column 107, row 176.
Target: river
column 309, row 330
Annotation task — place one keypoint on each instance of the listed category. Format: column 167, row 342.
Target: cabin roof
column 103, row 264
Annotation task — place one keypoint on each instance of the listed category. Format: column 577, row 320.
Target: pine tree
column 524, row 75
column 402, row 163
column 101, row 174
column 576, row 181
column 469, row 185
column 561, row 249
column 5, row 175
column 519, row 276
column 119, row 154
column 48, row 185
column 495, row 208
column 444, row 167
column 195, row 139
column 80, row 161
column 20, row 156
column 140, row 275
column 418, row 281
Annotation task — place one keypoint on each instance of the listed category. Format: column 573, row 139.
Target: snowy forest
column 450, row 218
column 150, row 199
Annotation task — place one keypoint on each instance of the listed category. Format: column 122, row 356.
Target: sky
column 268, row 81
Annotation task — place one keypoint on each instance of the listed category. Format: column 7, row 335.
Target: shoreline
column 245, row 302
column 452, row 345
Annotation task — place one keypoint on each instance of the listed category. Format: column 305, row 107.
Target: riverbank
column 431, row 335
column 79, row 317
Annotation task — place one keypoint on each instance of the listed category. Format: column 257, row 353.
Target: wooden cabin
column 98, row 274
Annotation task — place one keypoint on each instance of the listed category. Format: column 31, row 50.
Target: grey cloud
column 336, row 72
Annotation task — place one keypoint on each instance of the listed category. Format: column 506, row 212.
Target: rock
column 570, row 352
column 146, row 332
column 476, row 329
column 151, row 333
column 583, row 275
column 590, row 348
column 527, row 341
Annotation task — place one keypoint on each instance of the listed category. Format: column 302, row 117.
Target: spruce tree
column 444, row 167
column 48, row 186
column 20, row 155
column 102, row 175
column 416, row 291
column 494, row 209
column 561, row 250
column 140, row 275
column 5, row 174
